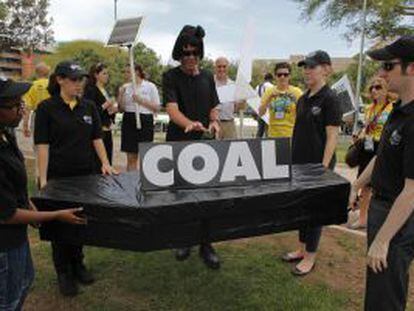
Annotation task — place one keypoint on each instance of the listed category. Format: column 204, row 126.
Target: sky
column 279, row 29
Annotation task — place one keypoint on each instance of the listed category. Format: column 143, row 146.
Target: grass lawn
column 252, row 278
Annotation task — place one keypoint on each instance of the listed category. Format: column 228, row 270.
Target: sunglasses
column 191, row 53
column 388, row 66
column 375, row 87
column 9, row 105
column 279, row 75
column 76, row 79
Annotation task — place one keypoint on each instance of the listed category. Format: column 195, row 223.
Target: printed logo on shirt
column 395, row 138
column 87, row 119
column 316, row 110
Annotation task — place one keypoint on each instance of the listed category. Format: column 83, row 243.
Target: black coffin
column 121, row 216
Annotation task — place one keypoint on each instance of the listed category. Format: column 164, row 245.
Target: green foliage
column 149, row 60
column 3, row 11
column 385, row 18
column 26, row 23
column 88, row 53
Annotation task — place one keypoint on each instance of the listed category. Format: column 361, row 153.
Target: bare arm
column 154, row 107
column 177, row 116
column 42, row 163
column 263, row 106
column 400, row 211
column 26, row 121
column 23, row 216
column 331, row 141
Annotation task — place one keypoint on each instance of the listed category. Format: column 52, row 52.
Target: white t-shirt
column 226, row 110
column 262, row 87
column 146, row 90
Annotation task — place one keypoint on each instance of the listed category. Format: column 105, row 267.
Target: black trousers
column 310, row 236
column 66, row 256
column 387, row 290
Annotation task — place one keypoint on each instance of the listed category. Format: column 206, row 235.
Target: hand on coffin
column 214, row 128
column 107, row 169
column 71, row 216
column 195, row 126
column 377, row 255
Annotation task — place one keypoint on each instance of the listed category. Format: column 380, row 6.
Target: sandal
column 288, row 257
column 297, row 272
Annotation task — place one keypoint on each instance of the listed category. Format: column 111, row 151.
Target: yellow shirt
column 282, row 110
column 370, row 112
column 36, row 94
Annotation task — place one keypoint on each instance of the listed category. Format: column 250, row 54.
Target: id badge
column 280, row 115
column 368, row 144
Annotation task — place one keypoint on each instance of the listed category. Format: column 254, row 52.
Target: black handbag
column 353, row 155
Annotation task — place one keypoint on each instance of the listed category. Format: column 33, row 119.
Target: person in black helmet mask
column 391, row 175
column 16, row 210
column 68, row 136
column 190, row 98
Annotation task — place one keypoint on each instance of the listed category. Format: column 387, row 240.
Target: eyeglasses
column 388, row 66
column 191, row 53
column 376, row 87
column 310, row 66
column 279, row 75
column 221, row 66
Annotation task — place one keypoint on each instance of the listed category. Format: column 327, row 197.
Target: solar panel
column 125, row 31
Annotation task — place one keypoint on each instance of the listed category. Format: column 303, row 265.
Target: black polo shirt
column 69, row 134
column 313, row 114
column 395, row 155
column 13, row 192
column 196, row 96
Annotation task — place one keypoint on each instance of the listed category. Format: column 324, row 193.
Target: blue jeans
column 16, row 277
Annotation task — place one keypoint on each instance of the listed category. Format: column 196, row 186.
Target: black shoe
column 67, row 284
column 82, row 274
column 209, row 256
column 182, row 254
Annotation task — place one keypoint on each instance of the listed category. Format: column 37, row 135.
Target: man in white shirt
column 261, row 89
column 227, row 109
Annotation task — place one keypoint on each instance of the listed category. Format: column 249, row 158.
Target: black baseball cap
column 10, row 88
column 315, row 58
column 70, row 69
column 402, row 48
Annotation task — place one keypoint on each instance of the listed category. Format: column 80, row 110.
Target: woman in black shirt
column 16, row 210
column 314, row 140
column 95, row 91
column 68, row 140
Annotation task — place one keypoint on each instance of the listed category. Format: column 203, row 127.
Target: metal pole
column 115, row 10
column 134, row 82
column 360, row 64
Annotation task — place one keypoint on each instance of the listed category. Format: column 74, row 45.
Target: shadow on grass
column 251, row 278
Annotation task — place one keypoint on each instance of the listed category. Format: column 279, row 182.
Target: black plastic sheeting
column 121, row 216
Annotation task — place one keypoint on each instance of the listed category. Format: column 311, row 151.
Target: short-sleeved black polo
column 195, row 95
column 313, row 115
column 69, row 134
column 13, row 192
column 395, row 155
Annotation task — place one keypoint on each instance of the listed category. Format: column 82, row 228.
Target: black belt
column 227, row 120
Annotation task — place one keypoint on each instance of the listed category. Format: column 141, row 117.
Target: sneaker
column 82, row 274
column 182, row 254
column 209, row 256
column 67, row 284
